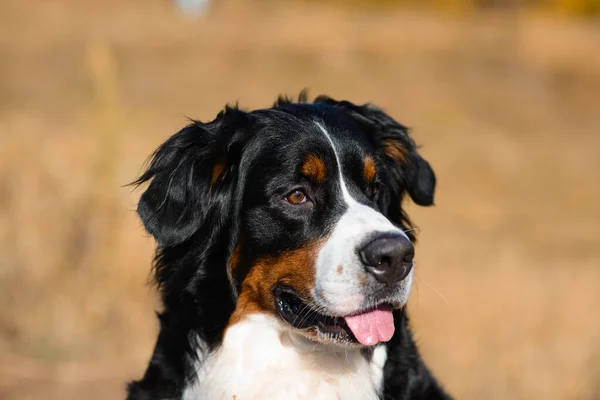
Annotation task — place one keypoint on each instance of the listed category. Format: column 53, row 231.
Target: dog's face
column 298, row 207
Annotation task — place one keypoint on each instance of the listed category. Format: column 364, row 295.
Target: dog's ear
column 191, row 178
column 406, row 170
column 422, row 187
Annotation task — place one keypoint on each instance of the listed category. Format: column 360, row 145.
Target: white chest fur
column 260, row 360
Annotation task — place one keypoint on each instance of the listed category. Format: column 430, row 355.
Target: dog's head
column 293, row 211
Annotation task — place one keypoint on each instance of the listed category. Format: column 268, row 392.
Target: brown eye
column 296, row 197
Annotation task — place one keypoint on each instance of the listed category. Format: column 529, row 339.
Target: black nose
column 388, row 258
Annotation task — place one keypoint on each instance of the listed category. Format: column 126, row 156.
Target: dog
column 284, row 257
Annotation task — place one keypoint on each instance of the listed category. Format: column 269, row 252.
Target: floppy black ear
column 190, row 177
column 422, row 187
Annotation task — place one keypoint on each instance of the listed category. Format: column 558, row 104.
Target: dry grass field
column 505, row 105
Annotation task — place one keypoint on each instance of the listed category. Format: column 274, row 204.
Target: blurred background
column 503, row 97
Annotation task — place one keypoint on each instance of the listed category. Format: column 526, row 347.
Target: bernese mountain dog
column 284, row 258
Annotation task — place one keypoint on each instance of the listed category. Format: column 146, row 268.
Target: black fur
column 405, row 374
column 198, row 221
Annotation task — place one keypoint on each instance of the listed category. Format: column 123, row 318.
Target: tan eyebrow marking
column 369, row 169
column 314, row 168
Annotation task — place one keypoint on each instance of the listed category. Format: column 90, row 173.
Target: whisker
column 307, row 310
column 434, row 289
column 416, row 284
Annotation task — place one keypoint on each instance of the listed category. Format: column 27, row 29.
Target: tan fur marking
column 314, row 168
column 217, row 170
column 234, row 260
column 395, row 150
column 362, row 280
column 295, row 269
column 369, row 169
column 340, row 269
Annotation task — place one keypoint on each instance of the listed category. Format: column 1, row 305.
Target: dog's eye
column 296, row 197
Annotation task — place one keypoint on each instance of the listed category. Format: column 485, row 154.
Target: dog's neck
column 260, row 359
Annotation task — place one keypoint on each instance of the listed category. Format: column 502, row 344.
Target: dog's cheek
column 295, row 269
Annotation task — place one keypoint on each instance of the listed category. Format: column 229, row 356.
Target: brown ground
column 506, row 107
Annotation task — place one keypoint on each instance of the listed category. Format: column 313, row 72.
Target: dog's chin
column 315, row 325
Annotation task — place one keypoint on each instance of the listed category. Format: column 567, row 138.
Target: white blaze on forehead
column 345, row 191
column 342, row 292
column 362, row 214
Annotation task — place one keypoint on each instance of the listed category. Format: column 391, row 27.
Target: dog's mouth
column 367, row 327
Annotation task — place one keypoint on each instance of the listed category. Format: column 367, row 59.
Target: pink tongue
column 372, row 327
